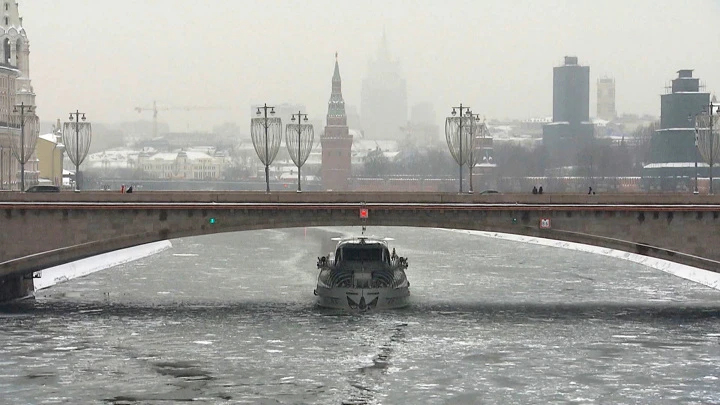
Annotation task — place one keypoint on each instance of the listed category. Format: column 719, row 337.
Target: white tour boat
column 362, row 275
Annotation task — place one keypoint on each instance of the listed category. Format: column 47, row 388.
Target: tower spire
column 336, row 73
column 336, row 141
column 336, row 105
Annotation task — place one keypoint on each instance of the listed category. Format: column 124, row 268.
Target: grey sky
column 107, row 56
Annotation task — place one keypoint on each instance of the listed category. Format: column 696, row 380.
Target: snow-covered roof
column 536, row 120
column 674, row 165
column 50, row 138
column 197, row 155
column 370, row 144
column 163, row 156
column 674, row 129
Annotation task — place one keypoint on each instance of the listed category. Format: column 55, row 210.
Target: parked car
column 43, row 189
column 489, row 192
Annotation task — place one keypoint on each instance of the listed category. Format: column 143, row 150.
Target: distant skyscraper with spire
column 336, row 141
column 383, row 100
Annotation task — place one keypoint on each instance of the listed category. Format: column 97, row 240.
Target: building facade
column 15, row 88
column 570, row 131
column 336, row 141
column 9, row 166
column 571, row 92
column 188, row 165
column 606, row 99
column 672, row 147
column 49, row 151
column 383, row 98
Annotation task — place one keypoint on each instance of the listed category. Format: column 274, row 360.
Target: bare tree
column 640, row 150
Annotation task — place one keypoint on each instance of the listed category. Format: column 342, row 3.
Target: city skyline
column 182, row 55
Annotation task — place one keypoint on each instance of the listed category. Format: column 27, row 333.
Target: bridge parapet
column 357, row 197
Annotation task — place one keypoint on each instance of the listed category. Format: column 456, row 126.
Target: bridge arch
column 37, row 235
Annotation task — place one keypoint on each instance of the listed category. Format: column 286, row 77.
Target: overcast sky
column 106, row 57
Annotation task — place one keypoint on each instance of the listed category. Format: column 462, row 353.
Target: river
column 230, row 318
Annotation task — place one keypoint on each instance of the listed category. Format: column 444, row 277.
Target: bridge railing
column 358, row 197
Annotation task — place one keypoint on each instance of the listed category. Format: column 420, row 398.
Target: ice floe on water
column 83, row 267
column 701, row 276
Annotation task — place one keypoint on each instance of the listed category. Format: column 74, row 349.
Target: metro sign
column 363, row 213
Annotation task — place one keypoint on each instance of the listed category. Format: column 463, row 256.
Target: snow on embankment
column 83, row 267
column 701, row 276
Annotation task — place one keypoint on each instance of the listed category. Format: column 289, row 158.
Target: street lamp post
column 77, row 115
column 299, row 128
column 706, row 144
column 471, row 161
column 712, row 107
column 460, row 158
column 693, row 119
column 22, row 109
column 305, row 138
column 266, row 135
column 267, row 162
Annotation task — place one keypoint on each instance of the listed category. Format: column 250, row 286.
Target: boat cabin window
column 361, row 253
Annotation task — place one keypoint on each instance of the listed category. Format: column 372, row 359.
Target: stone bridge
column 43, row 230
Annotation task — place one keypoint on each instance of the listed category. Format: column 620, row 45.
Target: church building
column 15, row 88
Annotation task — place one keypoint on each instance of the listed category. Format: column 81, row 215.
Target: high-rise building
column 15, row 88
column 606, row 99
column 571, row 92
column 422, row 129
column 383, row 98
column 423, row 113
column 672, row 147
column 336, row 141
column 570, row 130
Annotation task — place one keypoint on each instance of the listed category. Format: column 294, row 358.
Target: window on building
column 7, row 6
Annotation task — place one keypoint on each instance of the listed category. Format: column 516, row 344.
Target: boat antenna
column 363, row 217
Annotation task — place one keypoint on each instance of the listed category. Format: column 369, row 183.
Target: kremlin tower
column 336, row 141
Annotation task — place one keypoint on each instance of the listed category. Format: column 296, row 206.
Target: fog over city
column 107, row 57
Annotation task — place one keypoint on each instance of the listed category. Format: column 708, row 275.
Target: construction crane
column 155, row 110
